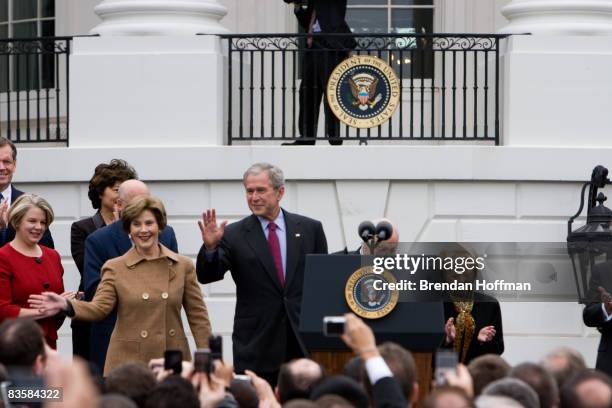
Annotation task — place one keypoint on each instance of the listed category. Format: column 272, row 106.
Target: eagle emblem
column 363, row 88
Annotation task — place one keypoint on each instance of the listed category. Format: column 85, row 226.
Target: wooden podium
column 417, row 326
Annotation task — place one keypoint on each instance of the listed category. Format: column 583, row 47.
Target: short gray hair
column 514, row 388
column 277, row 178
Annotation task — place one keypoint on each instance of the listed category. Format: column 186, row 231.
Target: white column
column 569, row 17
column 159, row 17
column 148, row 79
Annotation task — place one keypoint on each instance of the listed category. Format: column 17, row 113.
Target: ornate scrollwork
column 34, row 47
column 368, row 42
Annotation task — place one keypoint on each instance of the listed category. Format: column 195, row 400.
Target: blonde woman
column 149, row 285
column 27, row 268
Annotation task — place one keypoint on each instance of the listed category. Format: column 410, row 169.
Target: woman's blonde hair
column 138, row 205
column 23, row 204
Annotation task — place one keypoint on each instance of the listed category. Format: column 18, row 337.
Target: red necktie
column 275, row 250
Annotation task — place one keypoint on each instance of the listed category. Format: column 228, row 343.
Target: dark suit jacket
column 9, row 234
column 387, row 393
column 593, row 315
column 103, row 244
column 331, row 15
column 263, row 308
column 486, row 312
column 79, row 231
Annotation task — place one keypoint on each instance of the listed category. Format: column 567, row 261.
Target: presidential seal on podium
column 368, row 296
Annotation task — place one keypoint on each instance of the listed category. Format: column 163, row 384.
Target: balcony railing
column 34, row 89
column 450, row 86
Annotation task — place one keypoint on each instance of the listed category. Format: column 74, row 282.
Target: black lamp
column 591, row 243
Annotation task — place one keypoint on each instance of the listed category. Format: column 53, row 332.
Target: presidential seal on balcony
column 368, row 295
column 363, row 91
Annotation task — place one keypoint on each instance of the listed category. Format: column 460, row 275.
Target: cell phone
column 242, row 377
column 333, row 326
column 215, row 344
column 446, row 360
column 202, row 361
column 173, row 360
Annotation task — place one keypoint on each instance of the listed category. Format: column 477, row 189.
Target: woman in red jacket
column 29, row 268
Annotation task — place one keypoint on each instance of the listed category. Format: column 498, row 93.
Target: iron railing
column 34, row 89
column 450, row 85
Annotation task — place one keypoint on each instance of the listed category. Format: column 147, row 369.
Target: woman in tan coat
column 148, row 284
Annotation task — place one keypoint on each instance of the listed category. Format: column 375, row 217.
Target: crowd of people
column 378, row 376
column 126, row 312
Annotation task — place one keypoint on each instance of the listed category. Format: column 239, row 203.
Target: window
column 397, row 17
column 31, row 68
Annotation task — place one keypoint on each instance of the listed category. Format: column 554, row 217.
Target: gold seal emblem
column 363, row 91
column 364, row 299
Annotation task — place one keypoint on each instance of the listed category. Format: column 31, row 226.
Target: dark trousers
column 81, row 337
column 317, row 66
column 292, row 352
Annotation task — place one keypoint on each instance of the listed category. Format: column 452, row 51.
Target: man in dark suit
column 107, row 243
column 598, row 313
column 319, row 60
column 265, row 253
column 8, row 193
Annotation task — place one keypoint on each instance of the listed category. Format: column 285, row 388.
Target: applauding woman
column 149, row 285
column 28, row 268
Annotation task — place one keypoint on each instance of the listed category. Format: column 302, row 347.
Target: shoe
column 299, row 143
column 335, row 141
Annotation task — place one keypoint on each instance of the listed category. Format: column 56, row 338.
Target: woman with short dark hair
column 103, row 192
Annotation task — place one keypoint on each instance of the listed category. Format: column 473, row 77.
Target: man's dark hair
column 354, row 369
column 295, row 383
column 572, row 398
column 432, row 399
column 402, row 365
column 6, row 142
column 542, row 382
column 173, row 391
column 116, row 401
column 343, row 386
column 486, row 369
column 106, row 175
column 333, row 401
column 514, row 388
column 134, row 380
column 21, row 342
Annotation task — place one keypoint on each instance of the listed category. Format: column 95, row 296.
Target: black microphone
column 366, row 230
column 46, row 285
column 384, row 230
column 38, row 260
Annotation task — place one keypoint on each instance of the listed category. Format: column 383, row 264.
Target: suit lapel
column 294, row 245
column 15, row 194
column 257, row 241
column 121, row 239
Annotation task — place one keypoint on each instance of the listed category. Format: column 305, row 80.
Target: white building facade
column 150, row 91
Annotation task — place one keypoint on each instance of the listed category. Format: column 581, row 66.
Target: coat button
column 171, row 332
column 145, row 296
column 144, row 334
column 165, row 295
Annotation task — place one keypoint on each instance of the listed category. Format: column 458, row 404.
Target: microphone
column 384, row 230
column 46, row 285
column 366, row 230
column 38, row 260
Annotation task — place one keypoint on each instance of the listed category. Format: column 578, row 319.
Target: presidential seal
column 363, row 91
column 364, row 300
